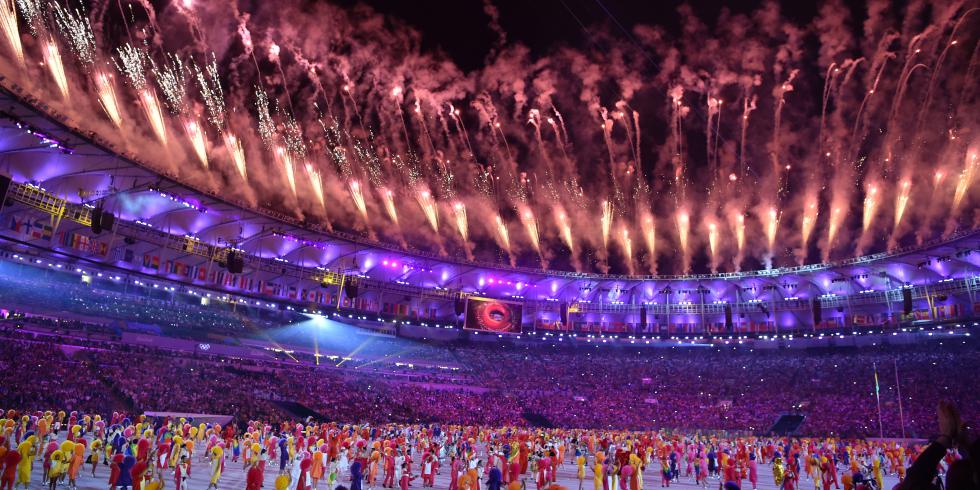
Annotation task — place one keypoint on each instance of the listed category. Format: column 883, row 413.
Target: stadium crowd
column 508, row 385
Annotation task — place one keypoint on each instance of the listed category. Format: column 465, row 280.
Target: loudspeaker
column 236, row 264
column 460, row 306
column 96, row 224
column 563, row 313
column 350, row 290
column 108, row 221
column 728, row 317
column 4, row 186
column 907, row 301
column 643, row 317
column 129, row 240
column 817, row 312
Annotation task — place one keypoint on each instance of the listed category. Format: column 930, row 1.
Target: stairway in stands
column 120, row 401
column 537, row 420
column 297, row 411
column 787, row 424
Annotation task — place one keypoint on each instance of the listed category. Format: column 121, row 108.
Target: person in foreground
column 962, row 473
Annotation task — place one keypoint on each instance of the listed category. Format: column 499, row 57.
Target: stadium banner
column 493, row 315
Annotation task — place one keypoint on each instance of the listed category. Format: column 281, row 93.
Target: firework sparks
column 171, row 77
column 836, row 218
column 209, row 84
column 33, row 11
column 267, row 128
column 77, row 31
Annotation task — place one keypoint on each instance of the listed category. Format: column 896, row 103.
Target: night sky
column 460, row 28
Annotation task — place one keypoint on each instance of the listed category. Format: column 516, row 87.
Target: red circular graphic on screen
column 494, row 316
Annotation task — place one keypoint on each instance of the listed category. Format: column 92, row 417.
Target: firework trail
column 388, row 198
column 650, row 237
column 52, row 59
column 357, row 195
column 627, row 249
column 606, row 222
column 316, row 184
column 285, row 162
column 810, row 213
column 237, row 154
column 8, row 22
column 683, row 232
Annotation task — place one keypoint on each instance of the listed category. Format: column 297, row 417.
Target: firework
column 316, row 183
column 75, row 27
column 388, row 198
column 209, row 85
column 286, row 162
column 713, row 244
column 606, row 222
column 964, row 181
column 357, row 195
column 33, row 11
column 195, row 134
column 650, row 237
column 502, row 234
column 237, row 154
column 870, row 205
column 8, row 22
column 171, row 77
column 459, row 211
column 627, row 248
column 772, row 224
column 564, row 228
column 107, row 96
column 810, row 213
column 428, row 205
column 52, row 59
column 132, row 64
column 836, row 218
column 902, row 200
column 267, row 128
column 683, row 229
column 531, row 225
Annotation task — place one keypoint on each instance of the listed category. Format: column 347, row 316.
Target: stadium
column 319, row 244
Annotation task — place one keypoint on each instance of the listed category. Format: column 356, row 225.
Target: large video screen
column 493, row 315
